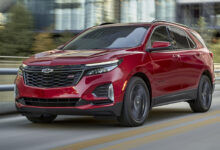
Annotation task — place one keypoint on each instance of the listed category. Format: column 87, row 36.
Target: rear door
column 190, row 58
column 166, row 75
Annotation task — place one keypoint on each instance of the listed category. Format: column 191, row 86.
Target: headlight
column 98, row 68
column 20, row 69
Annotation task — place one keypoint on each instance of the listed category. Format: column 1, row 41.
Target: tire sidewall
column 199, row 94
column 127, row 100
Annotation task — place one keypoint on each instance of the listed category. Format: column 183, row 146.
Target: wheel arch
column 208, row 74
column 147, row 82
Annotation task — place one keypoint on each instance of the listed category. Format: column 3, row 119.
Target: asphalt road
column 168, row 127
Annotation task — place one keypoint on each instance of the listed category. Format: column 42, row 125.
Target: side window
column 191, row 42
column 198, row 37
column 159, row 34
column 179, row 39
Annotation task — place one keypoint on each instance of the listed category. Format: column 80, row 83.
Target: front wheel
column 136, row 103
column 44, row 118
column 204, row 96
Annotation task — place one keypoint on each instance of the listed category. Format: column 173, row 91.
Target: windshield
column 108, row 38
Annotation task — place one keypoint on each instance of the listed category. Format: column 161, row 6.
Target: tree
column 64, row 37
column 43, row 42
column 17, row 36
column 215, row 47
column 204, row 31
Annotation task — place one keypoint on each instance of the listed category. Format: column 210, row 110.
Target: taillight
column 211, row 54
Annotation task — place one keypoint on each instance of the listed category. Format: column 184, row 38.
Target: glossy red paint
column 167, row 71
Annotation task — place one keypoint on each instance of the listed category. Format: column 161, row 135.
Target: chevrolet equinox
column 119, row 70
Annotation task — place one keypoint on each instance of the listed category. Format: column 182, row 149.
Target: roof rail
column 155, row 21
column 106, row 23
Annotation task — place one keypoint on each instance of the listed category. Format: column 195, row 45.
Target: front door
column 166, row 74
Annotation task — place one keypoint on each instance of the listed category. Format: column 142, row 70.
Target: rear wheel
column 44, row 118
column 136, row 103
column 204, row 96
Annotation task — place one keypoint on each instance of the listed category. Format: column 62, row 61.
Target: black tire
column 204, row 96
column 44, row 118
column 136, row 103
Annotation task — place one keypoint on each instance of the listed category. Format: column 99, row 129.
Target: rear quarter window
column 191, row 42
column 198, row 37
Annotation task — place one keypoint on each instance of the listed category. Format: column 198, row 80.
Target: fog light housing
column 104, row 91
column 111, row 92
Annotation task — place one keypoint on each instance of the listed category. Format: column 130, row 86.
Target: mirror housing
column 160, row 45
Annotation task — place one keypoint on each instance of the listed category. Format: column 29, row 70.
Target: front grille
column 62, row 102
column 61, row 76
column 101, row 91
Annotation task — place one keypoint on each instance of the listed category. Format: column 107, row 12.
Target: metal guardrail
column 13, row 71
column 8, row 71
column 7, row 87
column 217, row 78
column 16, row 57
column 217, row 71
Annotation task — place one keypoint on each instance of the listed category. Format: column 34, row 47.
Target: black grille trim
column 101, row 91
column 102, row 102
column 61, row 76
column 58, row 102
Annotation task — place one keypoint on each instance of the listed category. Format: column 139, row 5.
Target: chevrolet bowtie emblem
column 47, row 70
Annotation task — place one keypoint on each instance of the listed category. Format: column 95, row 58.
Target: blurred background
column 32, row 26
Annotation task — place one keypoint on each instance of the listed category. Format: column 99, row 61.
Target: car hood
column 73, row 57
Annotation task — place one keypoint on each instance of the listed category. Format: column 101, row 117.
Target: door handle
column 176, row 55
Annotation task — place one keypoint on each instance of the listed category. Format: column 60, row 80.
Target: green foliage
column 208, row 36
column 64, row 37
column 43, row 42
column 215, row 47
column 206, row 33
column 17, row 36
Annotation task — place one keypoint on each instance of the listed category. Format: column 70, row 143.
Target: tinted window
column 159, row 34
column 191, row 42
column 179, row 39
column 108, row 38
column 198, row 37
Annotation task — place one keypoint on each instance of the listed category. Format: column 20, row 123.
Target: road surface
column 168, row 127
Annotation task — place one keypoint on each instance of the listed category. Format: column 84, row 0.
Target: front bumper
column 113, row 110
column 83, row 90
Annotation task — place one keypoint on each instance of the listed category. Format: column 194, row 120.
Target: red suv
column 120, row 70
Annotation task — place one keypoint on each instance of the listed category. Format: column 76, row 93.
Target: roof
column 144, row 23
column 162, row 21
